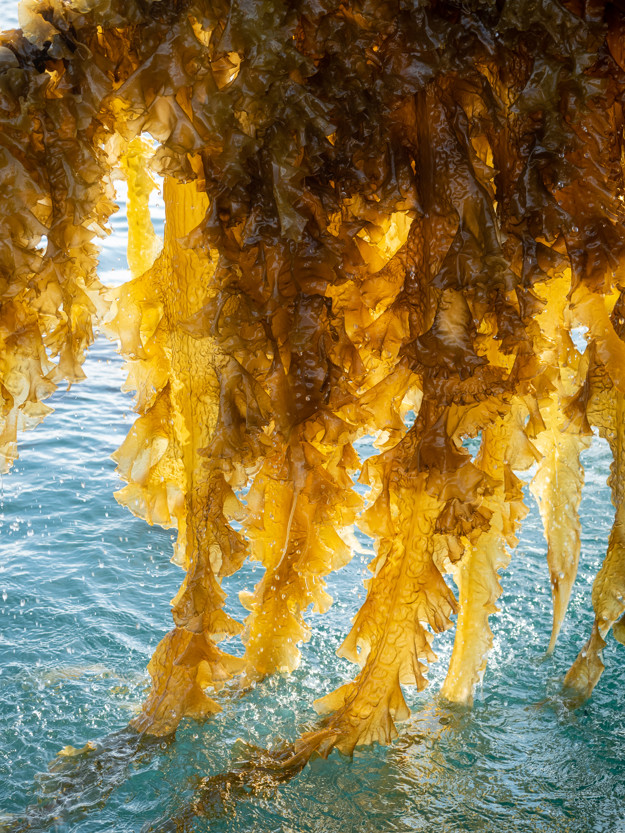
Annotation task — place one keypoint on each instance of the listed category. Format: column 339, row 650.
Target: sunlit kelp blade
column 160, row 459
column 57, row 198
column 476, row 573
column 557, row 484
column 605, row 409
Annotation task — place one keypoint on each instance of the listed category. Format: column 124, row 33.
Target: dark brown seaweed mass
column 371, row 207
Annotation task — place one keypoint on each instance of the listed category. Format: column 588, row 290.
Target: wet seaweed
column 370, row 208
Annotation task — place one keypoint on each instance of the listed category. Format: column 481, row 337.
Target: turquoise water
column 84, row 599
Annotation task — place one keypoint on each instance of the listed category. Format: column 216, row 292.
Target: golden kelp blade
column 608, row 593
column 56, row 195
column 557, row 484
column 483, row 538
column 476, row 574
column 592, row 310
column 161, row 456
column 557, row 487
column 606, row 410
column 390, row 639
column 26, row 375
column 293, row 527
column 143, row 244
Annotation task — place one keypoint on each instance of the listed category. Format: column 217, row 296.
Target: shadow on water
column 79, row 781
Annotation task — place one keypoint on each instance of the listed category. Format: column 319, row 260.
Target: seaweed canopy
column 370, row 207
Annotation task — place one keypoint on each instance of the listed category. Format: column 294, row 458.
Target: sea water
column 84, row 600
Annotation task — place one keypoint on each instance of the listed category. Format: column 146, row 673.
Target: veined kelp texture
column 168, row 480
column 143, row 243
column 294, row 518
column 389, row 638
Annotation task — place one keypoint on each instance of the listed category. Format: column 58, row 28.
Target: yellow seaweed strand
column 476, row 574
column 557, row 487
column 390, row 638
column 606, row 410
column 168, row 484
column 298, row 508
column 557, row 484
column 25, row 376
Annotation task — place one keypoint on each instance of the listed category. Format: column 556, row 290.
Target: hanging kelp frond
column 57, row 197
column 603, row 404
column 557, row 484
column 503, row 448
column 369, row 209
column 167, row 481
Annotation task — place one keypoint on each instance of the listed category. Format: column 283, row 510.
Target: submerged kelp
column 371, row 209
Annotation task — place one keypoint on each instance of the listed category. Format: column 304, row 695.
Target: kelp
column 380, row 219
column 604, row 409
column 503, row 448
column 96, row 769
column 557, row 484
column 159, row 457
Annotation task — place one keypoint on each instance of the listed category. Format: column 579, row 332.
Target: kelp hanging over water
column 371, row 209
